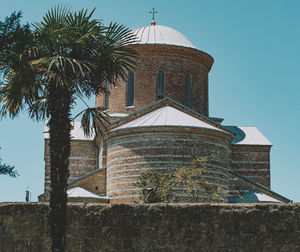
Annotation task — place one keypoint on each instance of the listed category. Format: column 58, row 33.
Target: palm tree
column 67, row 55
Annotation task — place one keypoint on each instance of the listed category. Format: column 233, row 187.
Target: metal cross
column 153, row 12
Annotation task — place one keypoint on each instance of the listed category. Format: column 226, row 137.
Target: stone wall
column 176, row 227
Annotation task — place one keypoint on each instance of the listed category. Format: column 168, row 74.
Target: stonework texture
column 81, row 161
column 163, row 149
column 252, row 161
column 173, row 227
column 176, row 62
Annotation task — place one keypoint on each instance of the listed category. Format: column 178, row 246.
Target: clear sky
column 255, row 80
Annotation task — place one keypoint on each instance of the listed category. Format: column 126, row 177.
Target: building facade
column 160, row 122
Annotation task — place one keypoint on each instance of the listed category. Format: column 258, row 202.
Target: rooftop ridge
column 163, row 102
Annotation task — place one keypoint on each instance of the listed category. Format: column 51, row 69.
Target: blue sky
column 255, row 80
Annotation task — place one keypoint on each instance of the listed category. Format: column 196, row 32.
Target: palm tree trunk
column 59, row 102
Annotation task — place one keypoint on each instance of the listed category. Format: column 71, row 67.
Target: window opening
column 106, row 96
column 160, row 89
column 188, row 91
column 130, row 90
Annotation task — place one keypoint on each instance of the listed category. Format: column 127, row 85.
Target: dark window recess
column 106, row 96
column 130, row 90
column 96, row 188
column 205, row 98
column 160, row 89
column 188, row 91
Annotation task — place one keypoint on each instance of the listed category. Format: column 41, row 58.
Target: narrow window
column 106, row 96
column 130, row 90
column 160, row 89
column 205, row 100
column 188, row 91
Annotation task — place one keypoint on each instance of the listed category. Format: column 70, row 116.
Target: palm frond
column 120, row 35
column 93, row 121
column 55, row 18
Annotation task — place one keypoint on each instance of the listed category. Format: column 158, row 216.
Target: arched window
column 130, row 90
column 188, row 91
column 160, row 85
column 106, row 96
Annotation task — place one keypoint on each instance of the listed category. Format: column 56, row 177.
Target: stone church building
column 160, row 122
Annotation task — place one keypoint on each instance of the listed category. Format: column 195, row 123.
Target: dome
column 161, row 35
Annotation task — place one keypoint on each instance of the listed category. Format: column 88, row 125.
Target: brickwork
column 127, row 153
column 169, row 227
column 252, row 161
column 81, row 161
column 176, row 62
column 131, row 152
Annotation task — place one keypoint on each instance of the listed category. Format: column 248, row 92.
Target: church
column 160, row 121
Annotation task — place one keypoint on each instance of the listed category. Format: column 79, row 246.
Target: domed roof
column 161, row 35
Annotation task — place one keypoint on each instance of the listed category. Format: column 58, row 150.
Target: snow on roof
column 247, row 135
column 78, row 192
column 167, row 116
column 162, row 35
column 76, row 132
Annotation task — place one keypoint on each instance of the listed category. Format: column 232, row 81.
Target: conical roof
column 167, row 116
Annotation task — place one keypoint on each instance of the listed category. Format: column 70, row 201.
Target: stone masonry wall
column 175, row 227
column 81, row 161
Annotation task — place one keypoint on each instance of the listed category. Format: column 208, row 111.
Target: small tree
column 195, row 182
column 159, row 187
column 155, row 186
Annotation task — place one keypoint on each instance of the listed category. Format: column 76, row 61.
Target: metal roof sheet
column 257, row 188
column 117, row 114
column 78, row 192
column 247, row 135
column 76, row 132
column 167, row 116
column 162, row 35
column 253, row 196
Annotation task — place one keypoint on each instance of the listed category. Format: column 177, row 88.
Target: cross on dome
column 153, row 12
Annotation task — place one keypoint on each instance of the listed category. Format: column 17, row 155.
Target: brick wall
column 176, row 62
column 172, row 227
column 131, row 152
column 252, row 161
column 81, row 161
